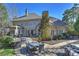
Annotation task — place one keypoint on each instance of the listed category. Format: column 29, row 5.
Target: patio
column 21, row 50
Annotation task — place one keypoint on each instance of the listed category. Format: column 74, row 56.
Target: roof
column 28, row 17
column 32, row 16
column 58, row 23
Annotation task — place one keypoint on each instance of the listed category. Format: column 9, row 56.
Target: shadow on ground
column 60, row 54
column 55, row 52
column 24, row 51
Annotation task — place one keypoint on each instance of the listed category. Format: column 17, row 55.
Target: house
column 28, row 25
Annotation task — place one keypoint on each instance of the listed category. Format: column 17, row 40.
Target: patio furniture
column 28, row 40
column 35, row 47
column 72, row 50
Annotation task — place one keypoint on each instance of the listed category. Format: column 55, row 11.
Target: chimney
column 26, row 12
column 45, row 13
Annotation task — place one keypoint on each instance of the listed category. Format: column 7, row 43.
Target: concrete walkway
column 58, row 45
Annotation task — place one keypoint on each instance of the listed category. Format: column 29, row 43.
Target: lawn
column 7, row 52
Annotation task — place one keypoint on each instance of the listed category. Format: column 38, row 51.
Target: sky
column 54, row 9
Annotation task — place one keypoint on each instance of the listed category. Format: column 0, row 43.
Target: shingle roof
column 33, row 16
column 30, row 16
column 59, row 23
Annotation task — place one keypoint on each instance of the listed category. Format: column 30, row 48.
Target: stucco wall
column 31, row 25
column 28, row 24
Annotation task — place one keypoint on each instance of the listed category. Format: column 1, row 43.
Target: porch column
column 26, row 32
column 52, row 34
column 16, row 31
column 30, row 33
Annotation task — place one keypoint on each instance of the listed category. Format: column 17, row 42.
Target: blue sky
column 54, row 9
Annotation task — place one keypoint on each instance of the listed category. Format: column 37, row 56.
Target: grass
column 7, row 52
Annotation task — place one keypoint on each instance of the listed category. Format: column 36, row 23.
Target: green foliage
column 44, row 26
column 67, row 15
column 4, row 14
column 58, row 37
column 68, row 18
column 72, row 33
column 70, row 15
column 76, row 25
column 5, row 46
column 6, row 41
column 45, row 37
column 7, row 52
column 4, row 18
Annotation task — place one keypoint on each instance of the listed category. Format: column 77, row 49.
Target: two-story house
column 28, row 25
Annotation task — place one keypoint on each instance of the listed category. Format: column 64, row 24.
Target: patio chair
column 29, row 40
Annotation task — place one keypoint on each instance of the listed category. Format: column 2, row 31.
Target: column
column 16, row 31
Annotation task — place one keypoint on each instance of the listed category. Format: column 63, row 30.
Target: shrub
column 73, row 33
column 7, row 52
column 59, row 37
column 44, row 37
column 6, row 41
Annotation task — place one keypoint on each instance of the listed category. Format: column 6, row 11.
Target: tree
column 67, row 18
column 14, row 11
column 76, row 25
column 67, row 15
column 3, row 17
column 44, row 26
column 70, row 16
column 4, row 12
column 75, row 12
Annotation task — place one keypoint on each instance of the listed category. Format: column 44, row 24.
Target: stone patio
column 50, row 50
